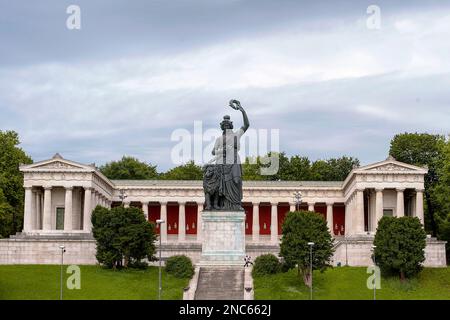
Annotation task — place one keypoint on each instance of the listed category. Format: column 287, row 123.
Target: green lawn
column 43, row 282
column 350, row 283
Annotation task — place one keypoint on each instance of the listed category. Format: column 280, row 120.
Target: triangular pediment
column 57, row 163
column 391, row 165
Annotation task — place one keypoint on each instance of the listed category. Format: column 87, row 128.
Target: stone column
column 181, row 221
column 292, row 207
column 126, row 204
column 311, row 206
column 163, row 226
column 68, row 210
column 199, row 221
column 255, row 226
column 419, row 204
column 330, row 217
column 145, row 209
column 37, row 206
column 400, row 202
column 47, row 223
column 378, row 206
column 274, row 223
column 87, row 226
column 359, row 217
column 28, row 210
column 96, row 200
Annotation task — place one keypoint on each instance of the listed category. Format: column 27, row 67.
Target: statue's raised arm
column 235, row 104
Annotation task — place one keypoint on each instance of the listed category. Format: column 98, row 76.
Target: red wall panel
column 322, row 210
column 191, row 219
column 172, row 219
column 154, row 213
column 264, row 219
column 282, row 209
column 248, row 218
column 339, row 220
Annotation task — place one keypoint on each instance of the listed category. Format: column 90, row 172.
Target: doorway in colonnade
column 154, row 213
column 322, row 209
column 136, row 204
column 172, row 218
column 248, row 208
column 282, row 211
column 339, row 219
column 191, row 209
column 264, row 219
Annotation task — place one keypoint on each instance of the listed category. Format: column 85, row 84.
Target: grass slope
column 43, row 282
column 350, row 283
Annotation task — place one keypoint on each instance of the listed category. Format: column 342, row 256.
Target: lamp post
column 122, row 195
column 374, row 274
column 159, row 222
column 297, row 199
column 61, row 273
column 311, row 244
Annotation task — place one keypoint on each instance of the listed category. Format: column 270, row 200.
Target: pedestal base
column 223, row 238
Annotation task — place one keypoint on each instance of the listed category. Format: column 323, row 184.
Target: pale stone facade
column 60, row 195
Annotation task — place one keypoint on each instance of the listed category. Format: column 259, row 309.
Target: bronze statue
column 222, row 181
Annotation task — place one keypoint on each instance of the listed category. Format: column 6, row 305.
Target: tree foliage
column 298, row 229
column 400, row 244
column 298, row 168
column 122, row 235
column 129, row 168
column 11, row 183
column 188, row 171
column 422, row 149
column 441, row 199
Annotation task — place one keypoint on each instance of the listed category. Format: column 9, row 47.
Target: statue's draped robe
column 230, row 187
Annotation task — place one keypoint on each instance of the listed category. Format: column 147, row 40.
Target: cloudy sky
column 138, row 70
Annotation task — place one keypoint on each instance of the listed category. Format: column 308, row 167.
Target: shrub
column 266, row 264
column 122, row 234
column 180, row 266
column 400, row 244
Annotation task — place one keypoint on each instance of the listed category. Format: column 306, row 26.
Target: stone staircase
column 220, row 283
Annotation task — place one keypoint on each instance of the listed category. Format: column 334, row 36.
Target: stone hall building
column 60, row 195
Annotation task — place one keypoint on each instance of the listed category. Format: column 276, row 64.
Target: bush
column 122, row 235
column 180, row 266
column 400, row 244
column 266, row 264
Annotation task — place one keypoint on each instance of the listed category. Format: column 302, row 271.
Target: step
column 219, row 283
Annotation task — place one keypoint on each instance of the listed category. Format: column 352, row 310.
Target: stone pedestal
column 223, row 238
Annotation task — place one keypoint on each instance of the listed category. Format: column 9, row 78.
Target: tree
column 297, row 168
column 298, row 229
column 422, row 149
column 334, row 169
column 441, row 197
column 11, row 183
column 188, row 171
column 400, row 244
column 122, row 234
column 129, row 168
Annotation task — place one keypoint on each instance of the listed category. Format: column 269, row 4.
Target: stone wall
column 46, row 251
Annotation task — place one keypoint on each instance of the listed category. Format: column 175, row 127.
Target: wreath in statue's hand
column 235, row 104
